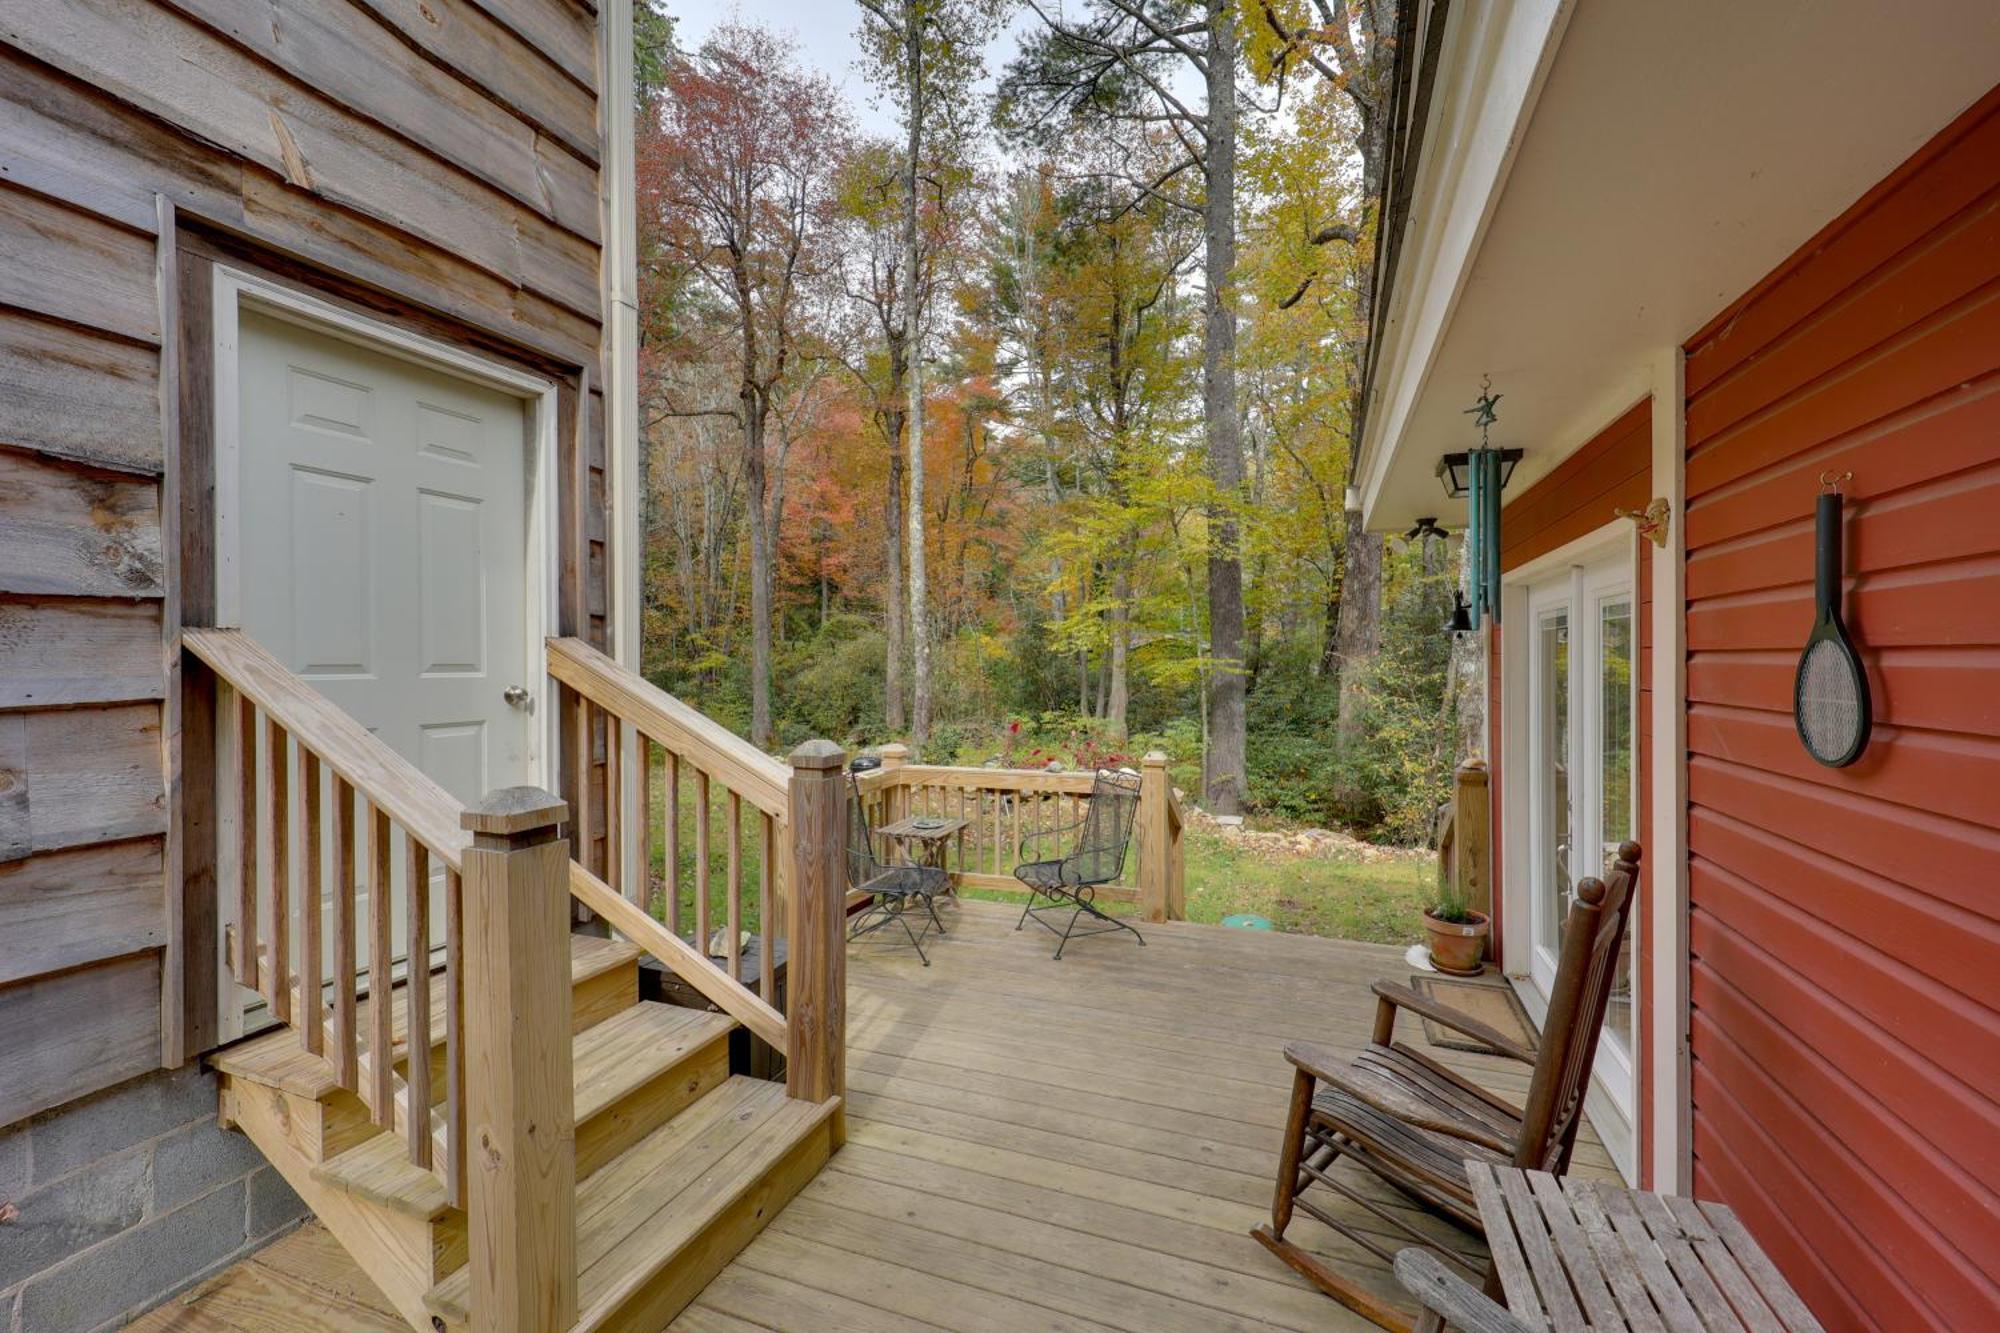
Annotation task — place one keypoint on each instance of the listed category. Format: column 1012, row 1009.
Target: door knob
column 517, row 695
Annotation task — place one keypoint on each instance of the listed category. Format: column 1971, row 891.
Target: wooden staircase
column 678, row 1162
column 500, row 1147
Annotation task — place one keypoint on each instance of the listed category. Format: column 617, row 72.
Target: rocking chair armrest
column 1397, row 996
column 1391, row 1099
column 1443, row 1292
column 1318, row 1061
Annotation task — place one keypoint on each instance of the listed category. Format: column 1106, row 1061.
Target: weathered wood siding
column 1612, row 471
column 435, row 163
column 1845, row 924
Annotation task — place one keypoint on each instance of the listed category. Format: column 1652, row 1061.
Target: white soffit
column 1674, row 155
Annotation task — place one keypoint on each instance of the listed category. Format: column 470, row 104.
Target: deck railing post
column 816, row 1019
column 520, row 1113
column 1473, row 834
column 895, row 799
column 1156, row 875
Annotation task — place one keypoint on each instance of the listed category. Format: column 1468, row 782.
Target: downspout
column 618, row 370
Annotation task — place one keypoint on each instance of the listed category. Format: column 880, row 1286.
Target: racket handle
column 1826, row 551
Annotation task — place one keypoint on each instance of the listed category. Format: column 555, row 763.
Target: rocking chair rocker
column 1413, row 1122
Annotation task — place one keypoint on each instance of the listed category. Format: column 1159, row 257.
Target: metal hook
column 1833, row 481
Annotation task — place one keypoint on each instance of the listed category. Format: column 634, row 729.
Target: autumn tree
column 1123, row 66
column 926, row 55
column 737, row 170
column 1349, row 46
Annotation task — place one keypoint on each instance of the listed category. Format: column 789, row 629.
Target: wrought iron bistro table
column 925, row 837
column 1574, row 1255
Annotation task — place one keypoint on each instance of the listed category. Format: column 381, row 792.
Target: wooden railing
column 672, row 771
column 323, row 811
column 1004, row 807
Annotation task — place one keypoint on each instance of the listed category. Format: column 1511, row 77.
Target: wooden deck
column 1031, row 1145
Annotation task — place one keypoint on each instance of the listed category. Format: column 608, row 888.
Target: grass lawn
column 1380, row 901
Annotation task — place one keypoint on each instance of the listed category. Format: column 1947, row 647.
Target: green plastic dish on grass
column 1248, row 921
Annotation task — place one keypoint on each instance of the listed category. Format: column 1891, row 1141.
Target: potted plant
column 1456, row 932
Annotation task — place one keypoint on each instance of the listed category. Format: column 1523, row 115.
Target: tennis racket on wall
column 1830, row 697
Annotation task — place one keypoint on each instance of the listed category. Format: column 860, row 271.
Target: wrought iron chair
column 1414, row 1122
column 1070, row 881
column 894, row 884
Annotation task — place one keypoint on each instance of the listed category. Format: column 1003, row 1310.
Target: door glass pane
column 1615, row 771
column 1552, row 723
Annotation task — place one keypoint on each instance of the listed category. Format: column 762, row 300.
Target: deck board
column 1040, row 1145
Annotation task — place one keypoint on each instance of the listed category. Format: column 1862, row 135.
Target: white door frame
column 1613, row 1114
column 235, row 290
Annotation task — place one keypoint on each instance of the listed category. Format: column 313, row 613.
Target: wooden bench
column 1574, row 1255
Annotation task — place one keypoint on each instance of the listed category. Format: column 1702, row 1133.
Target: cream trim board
column 1497, row 58
column 620, row 379
column 1668, row 1096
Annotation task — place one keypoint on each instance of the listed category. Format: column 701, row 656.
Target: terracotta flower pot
column 1456, row 947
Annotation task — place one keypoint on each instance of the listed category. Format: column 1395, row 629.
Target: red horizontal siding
column 1844, row 932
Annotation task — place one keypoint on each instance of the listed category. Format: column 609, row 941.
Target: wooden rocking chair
column 1413, row 1122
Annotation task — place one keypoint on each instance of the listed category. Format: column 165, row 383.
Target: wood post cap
column 514, row 810
column 818, row 753
column 1155, row 759
column 895, row 752
column 1472, row 768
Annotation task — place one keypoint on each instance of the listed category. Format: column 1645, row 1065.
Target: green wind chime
column 1480, row 475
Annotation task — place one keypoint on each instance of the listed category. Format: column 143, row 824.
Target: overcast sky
column 824, row 31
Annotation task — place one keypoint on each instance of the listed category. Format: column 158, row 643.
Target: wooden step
column 633, row 1072
column 604, row 980
column 655, row 1223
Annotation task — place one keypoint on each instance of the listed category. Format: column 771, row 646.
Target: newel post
column 816, row 1021
column 1156, row 873
column 520, row 1095
column 895, row 797
column 1472, row 818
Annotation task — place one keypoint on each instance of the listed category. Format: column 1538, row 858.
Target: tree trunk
column 1223, row 770
column 1360, row 620
column 893, row 714
column 760, row 578
column 920, row 635
column 1121, row 629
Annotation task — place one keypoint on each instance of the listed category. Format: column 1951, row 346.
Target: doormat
column 1495, row 1006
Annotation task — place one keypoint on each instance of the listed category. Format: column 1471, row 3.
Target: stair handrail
column 397, row 787
column 795, row 849
column 617, row 689
column 265, row 697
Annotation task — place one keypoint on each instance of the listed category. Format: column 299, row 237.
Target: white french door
column 1579, row 716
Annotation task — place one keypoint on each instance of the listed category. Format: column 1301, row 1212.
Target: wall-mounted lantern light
column 1455, row 471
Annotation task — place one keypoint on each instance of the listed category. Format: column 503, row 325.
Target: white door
column 382, row 548
column 1582, row 705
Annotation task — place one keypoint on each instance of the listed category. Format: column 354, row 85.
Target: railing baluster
column 347, row 1062
column 275, row 970
column 733, row 949
column 579, row 811
column 767, row 962
column 642, row 888
column 701, row 862
column 381, row 991
column 311, row 1008
column 454, row 1038
column 246, row 819
column 417, row 989
column 614, row 802
column 672, row 819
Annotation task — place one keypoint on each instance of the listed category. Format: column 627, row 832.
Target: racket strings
column 1829, row 701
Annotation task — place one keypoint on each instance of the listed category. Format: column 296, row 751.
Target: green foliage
column 831, row 683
